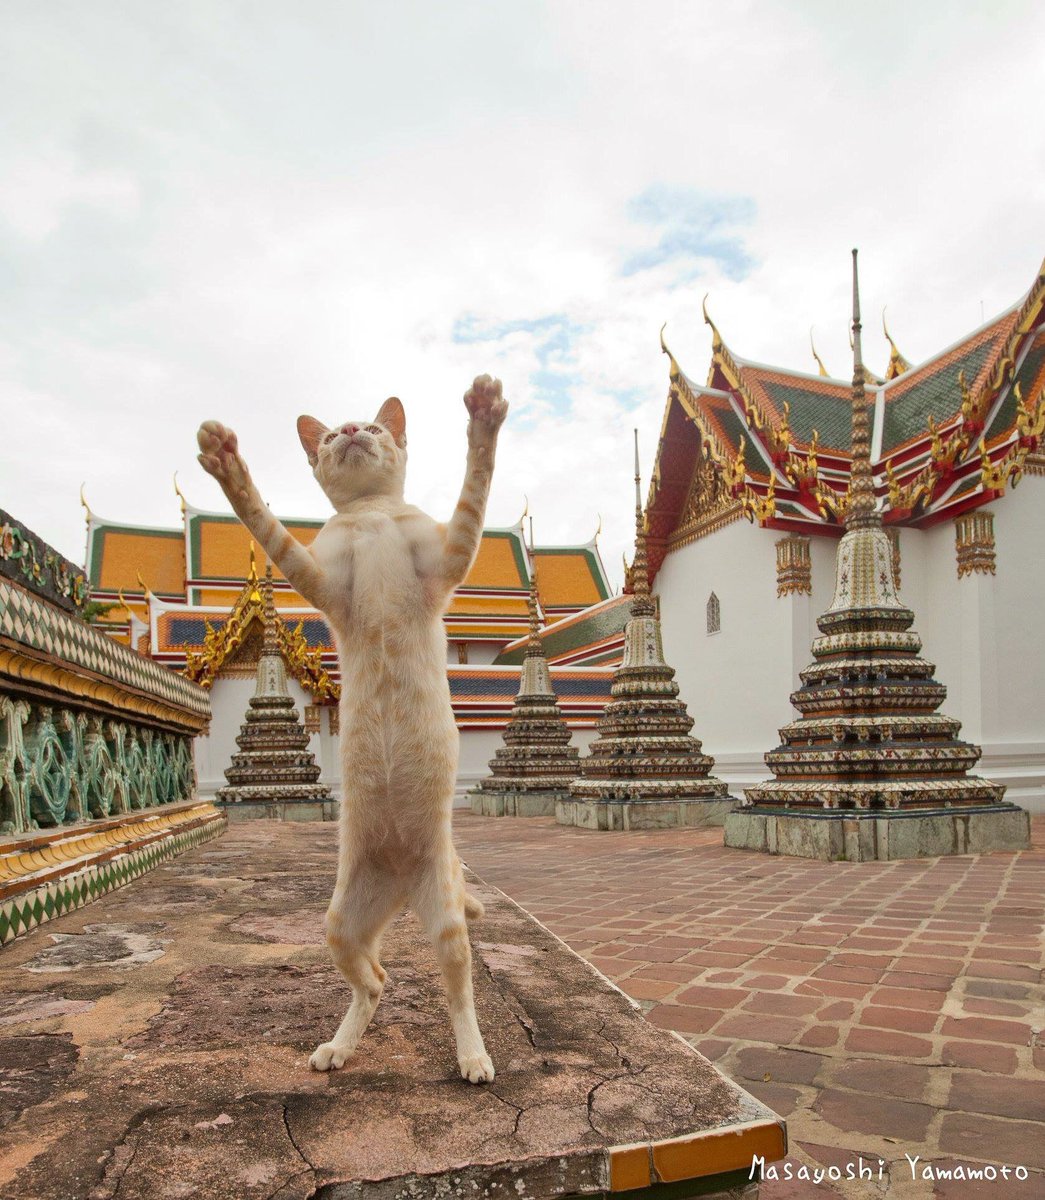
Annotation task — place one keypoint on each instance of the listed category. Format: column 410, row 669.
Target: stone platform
column 272, row 808
column 875, row 836
column 623, row 815
column 156, row 1046
column 515, row 804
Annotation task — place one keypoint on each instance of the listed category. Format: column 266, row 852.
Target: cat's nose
column 350, row 430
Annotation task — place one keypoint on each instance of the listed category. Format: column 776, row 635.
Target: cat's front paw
column 477, row 1068
column 329, row 1057
column 219, row 456
column 486, row 406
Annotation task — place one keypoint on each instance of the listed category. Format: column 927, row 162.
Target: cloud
column 693, row 229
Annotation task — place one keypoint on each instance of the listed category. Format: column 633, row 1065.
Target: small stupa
column 274, row 774
column 533, row 769
column 871, row 770
column 644, row 770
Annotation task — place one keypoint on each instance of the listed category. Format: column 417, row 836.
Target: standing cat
column 383, row 572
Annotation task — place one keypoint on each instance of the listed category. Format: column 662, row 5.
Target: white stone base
column 643, row 814
column 875, row 837
column 515, row 804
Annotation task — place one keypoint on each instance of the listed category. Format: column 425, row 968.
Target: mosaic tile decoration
column 48, row 894
column 39, row 626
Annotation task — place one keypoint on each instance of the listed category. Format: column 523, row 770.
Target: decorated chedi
column 274, row 774
column 644, row 770
column 871, row 769
column 533, row 769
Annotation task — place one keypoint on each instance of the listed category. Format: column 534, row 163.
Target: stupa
column 533, row 769
column 871, row 769
column 644, row 770
column 274, row 774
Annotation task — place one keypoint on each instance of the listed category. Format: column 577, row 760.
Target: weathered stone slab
column 280, row 810
column 190, row 1070
column 876, row 836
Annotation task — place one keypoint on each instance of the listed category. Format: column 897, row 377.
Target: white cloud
column 251, row 213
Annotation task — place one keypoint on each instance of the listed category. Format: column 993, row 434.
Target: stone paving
column 884, row 1009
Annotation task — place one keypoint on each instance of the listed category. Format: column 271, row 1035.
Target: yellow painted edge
column 630, row 1167
column 717, row 1151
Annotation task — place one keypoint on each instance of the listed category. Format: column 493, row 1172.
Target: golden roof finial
column 177, row 492
column 819, row 360
column 598, row 528
column 897, row 363
column 144, row 587
column 674, row 369
column 716, row 337
column 86, row 507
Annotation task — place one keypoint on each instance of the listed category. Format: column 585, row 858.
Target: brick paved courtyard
column 883, row 1008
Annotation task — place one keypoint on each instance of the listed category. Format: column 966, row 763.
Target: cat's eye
column 374, row 429
column 329, row 437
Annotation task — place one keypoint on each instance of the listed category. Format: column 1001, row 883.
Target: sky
column 251, row 210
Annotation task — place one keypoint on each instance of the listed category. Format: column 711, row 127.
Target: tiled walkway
column 885, row 1009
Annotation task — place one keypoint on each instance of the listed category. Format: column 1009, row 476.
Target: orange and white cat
column 383, row 572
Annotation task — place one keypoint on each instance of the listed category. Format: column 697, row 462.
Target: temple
column 748, row 502
column 871, row 770
column 644, row 770
column 531, row 772
column 189, row 598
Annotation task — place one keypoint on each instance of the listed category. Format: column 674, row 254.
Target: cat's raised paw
column 219, row 454
column 329, row 1057
column 477, row 1069
column 485, row 403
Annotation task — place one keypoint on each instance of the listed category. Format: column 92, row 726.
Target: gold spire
column 861, row 512
column 642, row 605
column 897, row 363
column 533, row 642
column 819, row 360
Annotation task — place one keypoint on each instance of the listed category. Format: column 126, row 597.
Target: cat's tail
column 473, row 909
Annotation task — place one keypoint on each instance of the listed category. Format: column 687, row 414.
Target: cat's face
column 358, row 458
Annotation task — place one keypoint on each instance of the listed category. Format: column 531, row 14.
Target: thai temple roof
column 194, row 572
column 772, row 443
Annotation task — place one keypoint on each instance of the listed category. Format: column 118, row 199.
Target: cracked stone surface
column 187, row 1075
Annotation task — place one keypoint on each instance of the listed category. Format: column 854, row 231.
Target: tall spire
column 861, row 512
column 270, row 642
column 531, row 771
column 533, row 644
column 642, row 605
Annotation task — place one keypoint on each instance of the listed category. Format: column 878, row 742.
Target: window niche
column 714, row 614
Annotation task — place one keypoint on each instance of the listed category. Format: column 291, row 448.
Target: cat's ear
column 393, row 418
column 311, row 431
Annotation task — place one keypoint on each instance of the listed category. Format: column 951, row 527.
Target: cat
column 382, row 572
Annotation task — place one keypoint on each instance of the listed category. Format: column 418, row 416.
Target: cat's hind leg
column 440, row 902
column 356, row 919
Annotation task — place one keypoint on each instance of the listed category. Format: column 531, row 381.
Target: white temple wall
column 735, row 682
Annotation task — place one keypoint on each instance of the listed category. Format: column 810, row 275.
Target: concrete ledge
column 49, row 872
column 643, row 814
column 877, row 837
column 165, row 1040
column 515, row 804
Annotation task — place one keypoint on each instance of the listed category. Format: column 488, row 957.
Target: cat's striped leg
column 487, row 410
column 439, row 902
column 356, row 919
column 220, row 457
